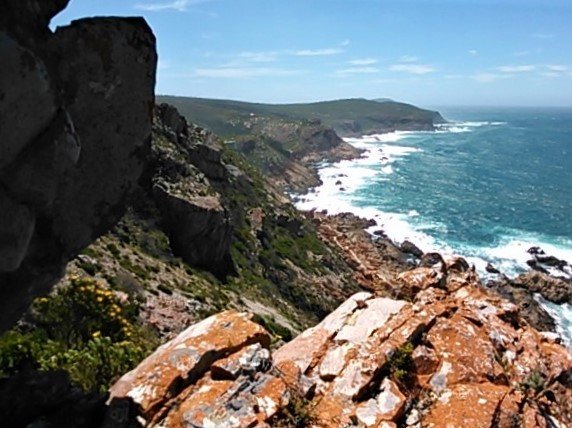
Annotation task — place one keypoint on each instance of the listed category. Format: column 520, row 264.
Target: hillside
column 348, row 117
column 286, row 141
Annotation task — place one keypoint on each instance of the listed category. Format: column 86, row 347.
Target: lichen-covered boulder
column 216, row 373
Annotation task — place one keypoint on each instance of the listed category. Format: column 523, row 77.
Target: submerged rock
column 491, row 269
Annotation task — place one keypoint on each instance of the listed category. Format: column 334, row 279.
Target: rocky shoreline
column 447, row 350
column 378, row 259
column 379, row 262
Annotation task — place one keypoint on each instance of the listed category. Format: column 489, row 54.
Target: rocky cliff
column 75, row 123
column 206, row 232
column 287, row 152
column 453, row 355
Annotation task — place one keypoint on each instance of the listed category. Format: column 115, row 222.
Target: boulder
column 410, row 248
column 553, row 289
column 17, row 223
column 185, row 361
column 28, row 98
column 491, row 269
column 431, row 259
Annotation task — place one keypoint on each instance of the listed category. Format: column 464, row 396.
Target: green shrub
column 400, row 363
column 81, row 309
column 84, row 329
column 299, row 413
column 89, row 268
column 113, row 250
column 273, row 327
column 534, row 383
column 96, row 364
column 17, row 352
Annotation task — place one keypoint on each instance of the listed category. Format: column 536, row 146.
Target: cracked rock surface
column 455, row 355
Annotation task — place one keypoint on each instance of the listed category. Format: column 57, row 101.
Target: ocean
column 488, row 185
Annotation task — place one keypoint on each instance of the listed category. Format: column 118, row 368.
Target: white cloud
column 473, row 52
column 551, row 74
column 521, row 53
column 413, row 68
column 516, row 68
column 259, row 56
column 178, row 5
column 163, row 64
column 363, row 61
column 557, row 67
column 488, row 77
column 318, row 52
column 385, row 81
column 244, row 72
column 358, row 70
column 408, row 58
column 346, row 42
column 542, row 36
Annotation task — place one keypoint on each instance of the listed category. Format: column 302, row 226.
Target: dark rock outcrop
column 529, row 308
column 410, row 248
column 553, row 289
column 75, row 123
column 544, row 263
column 185, row 160
column 33, row 398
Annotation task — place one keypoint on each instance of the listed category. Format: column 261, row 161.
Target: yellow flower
column 96, row 334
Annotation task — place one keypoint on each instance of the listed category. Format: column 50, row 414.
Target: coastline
column 500, row 282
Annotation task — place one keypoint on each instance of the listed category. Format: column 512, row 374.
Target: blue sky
column 427, row 52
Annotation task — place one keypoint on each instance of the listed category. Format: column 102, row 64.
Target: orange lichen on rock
column 453, row 356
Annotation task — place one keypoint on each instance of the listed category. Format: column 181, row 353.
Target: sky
column 426, row 52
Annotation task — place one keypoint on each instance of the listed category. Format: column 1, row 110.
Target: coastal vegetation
column 347, row 117
column 84, row 329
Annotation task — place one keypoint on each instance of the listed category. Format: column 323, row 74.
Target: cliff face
column 454, row 355
column 75, row 123
column 287, row 152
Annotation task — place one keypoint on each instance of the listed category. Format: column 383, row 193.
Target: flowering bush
column 83, row 309
column 85, row 329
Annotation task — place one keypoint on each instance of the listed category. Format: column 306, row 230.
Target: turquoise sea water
column 488, row 185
